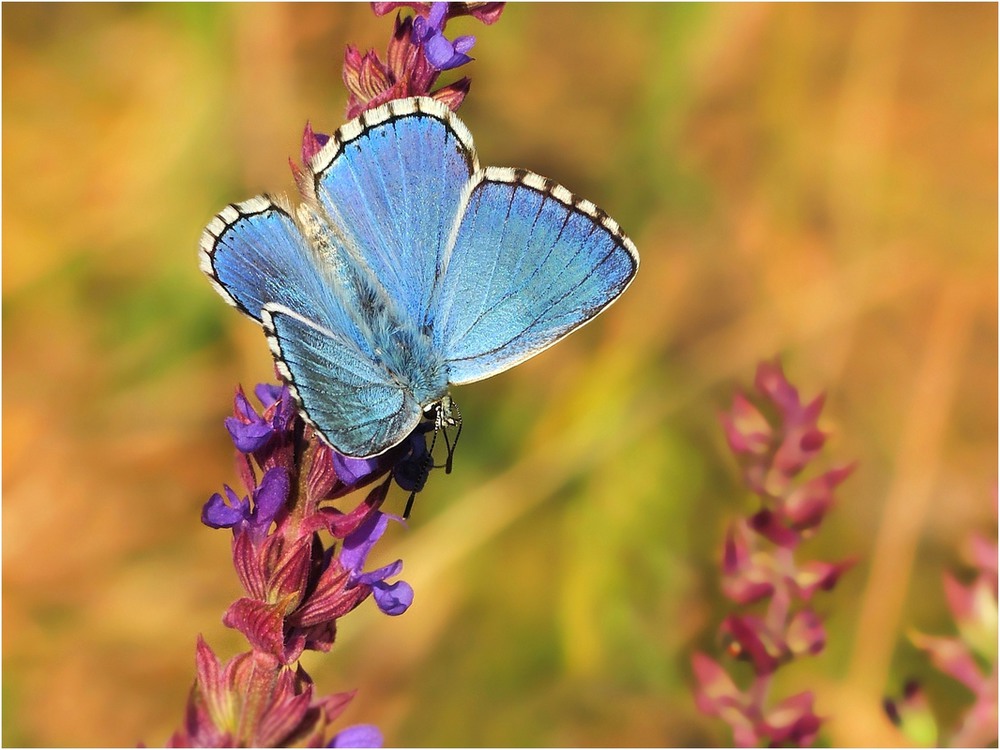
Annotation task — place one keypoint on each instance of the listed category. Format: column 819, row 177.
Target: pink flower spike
column 747, row 430
column 984, row 556
column 775, row 438
column 743, row 580
column 736, row 551
column 806, row 634
column 961, row 599
column 751, row 640
column 799, row 447
column 975, row 610
column 953, row 658
column 768, row 525
column 805, row 507
column 773, row 384
column 816, row 575
column 713, row 682
column 792, row 721
column 717, row 695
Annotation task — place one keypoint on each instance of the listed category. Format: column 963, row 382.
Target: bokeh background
column 817, row 183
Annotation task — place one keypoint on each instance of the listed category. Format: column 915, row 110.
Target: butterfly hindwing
column 528, row 264
column 392, row 181
column 351, row 399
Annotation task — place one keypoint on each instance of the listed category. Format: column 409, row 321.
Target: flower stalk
column 300, row 559
column 301, row 562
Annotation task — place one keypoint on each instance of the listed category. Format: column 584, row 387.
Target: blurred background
column 817, row 183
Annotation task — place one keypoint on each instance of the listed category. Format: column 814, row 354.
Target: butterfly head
column 446, row 416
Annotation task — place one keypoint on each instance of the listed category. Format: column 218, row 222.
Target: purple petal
column 268, row 393
column 248, row 437
column 441, row 53
column 243, row 408
column 393, row 598
column 359, row 543
column 421, row 30
column 376, row 576
column 269, row 497
column 437, row 15
column 353, row 471
column 218, row 515
column 464, row 43
column 438, row 50
column 361, row 735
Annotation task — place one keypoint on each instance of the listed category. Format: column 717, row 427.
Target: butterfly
column 407, row 269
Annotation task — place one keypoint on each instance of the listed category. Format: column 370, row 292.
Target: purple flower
column 791, row 722
column 361, row 735
column 248, row 429
column 356, row 472
column 241, row 515
column 405, row 72
column 441, row 53
column 252, row 431
column 417, row 53
column 392, row 598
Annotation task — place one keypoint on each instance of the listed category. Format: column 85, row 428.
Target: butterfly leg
column 448, row 415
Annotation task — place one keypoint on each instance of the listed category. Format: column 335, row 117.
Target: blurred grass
column 817, row 182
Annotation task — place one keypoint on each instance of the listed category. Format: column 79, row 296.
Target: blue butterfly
column 407, row 269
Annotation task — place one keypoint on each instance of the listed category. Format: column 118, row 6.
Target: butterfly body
column 408, row 269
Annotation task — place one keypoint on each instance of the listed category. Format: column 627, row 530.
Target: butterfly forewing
column 392, row 180
column 530, row 263
column 256, row 254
